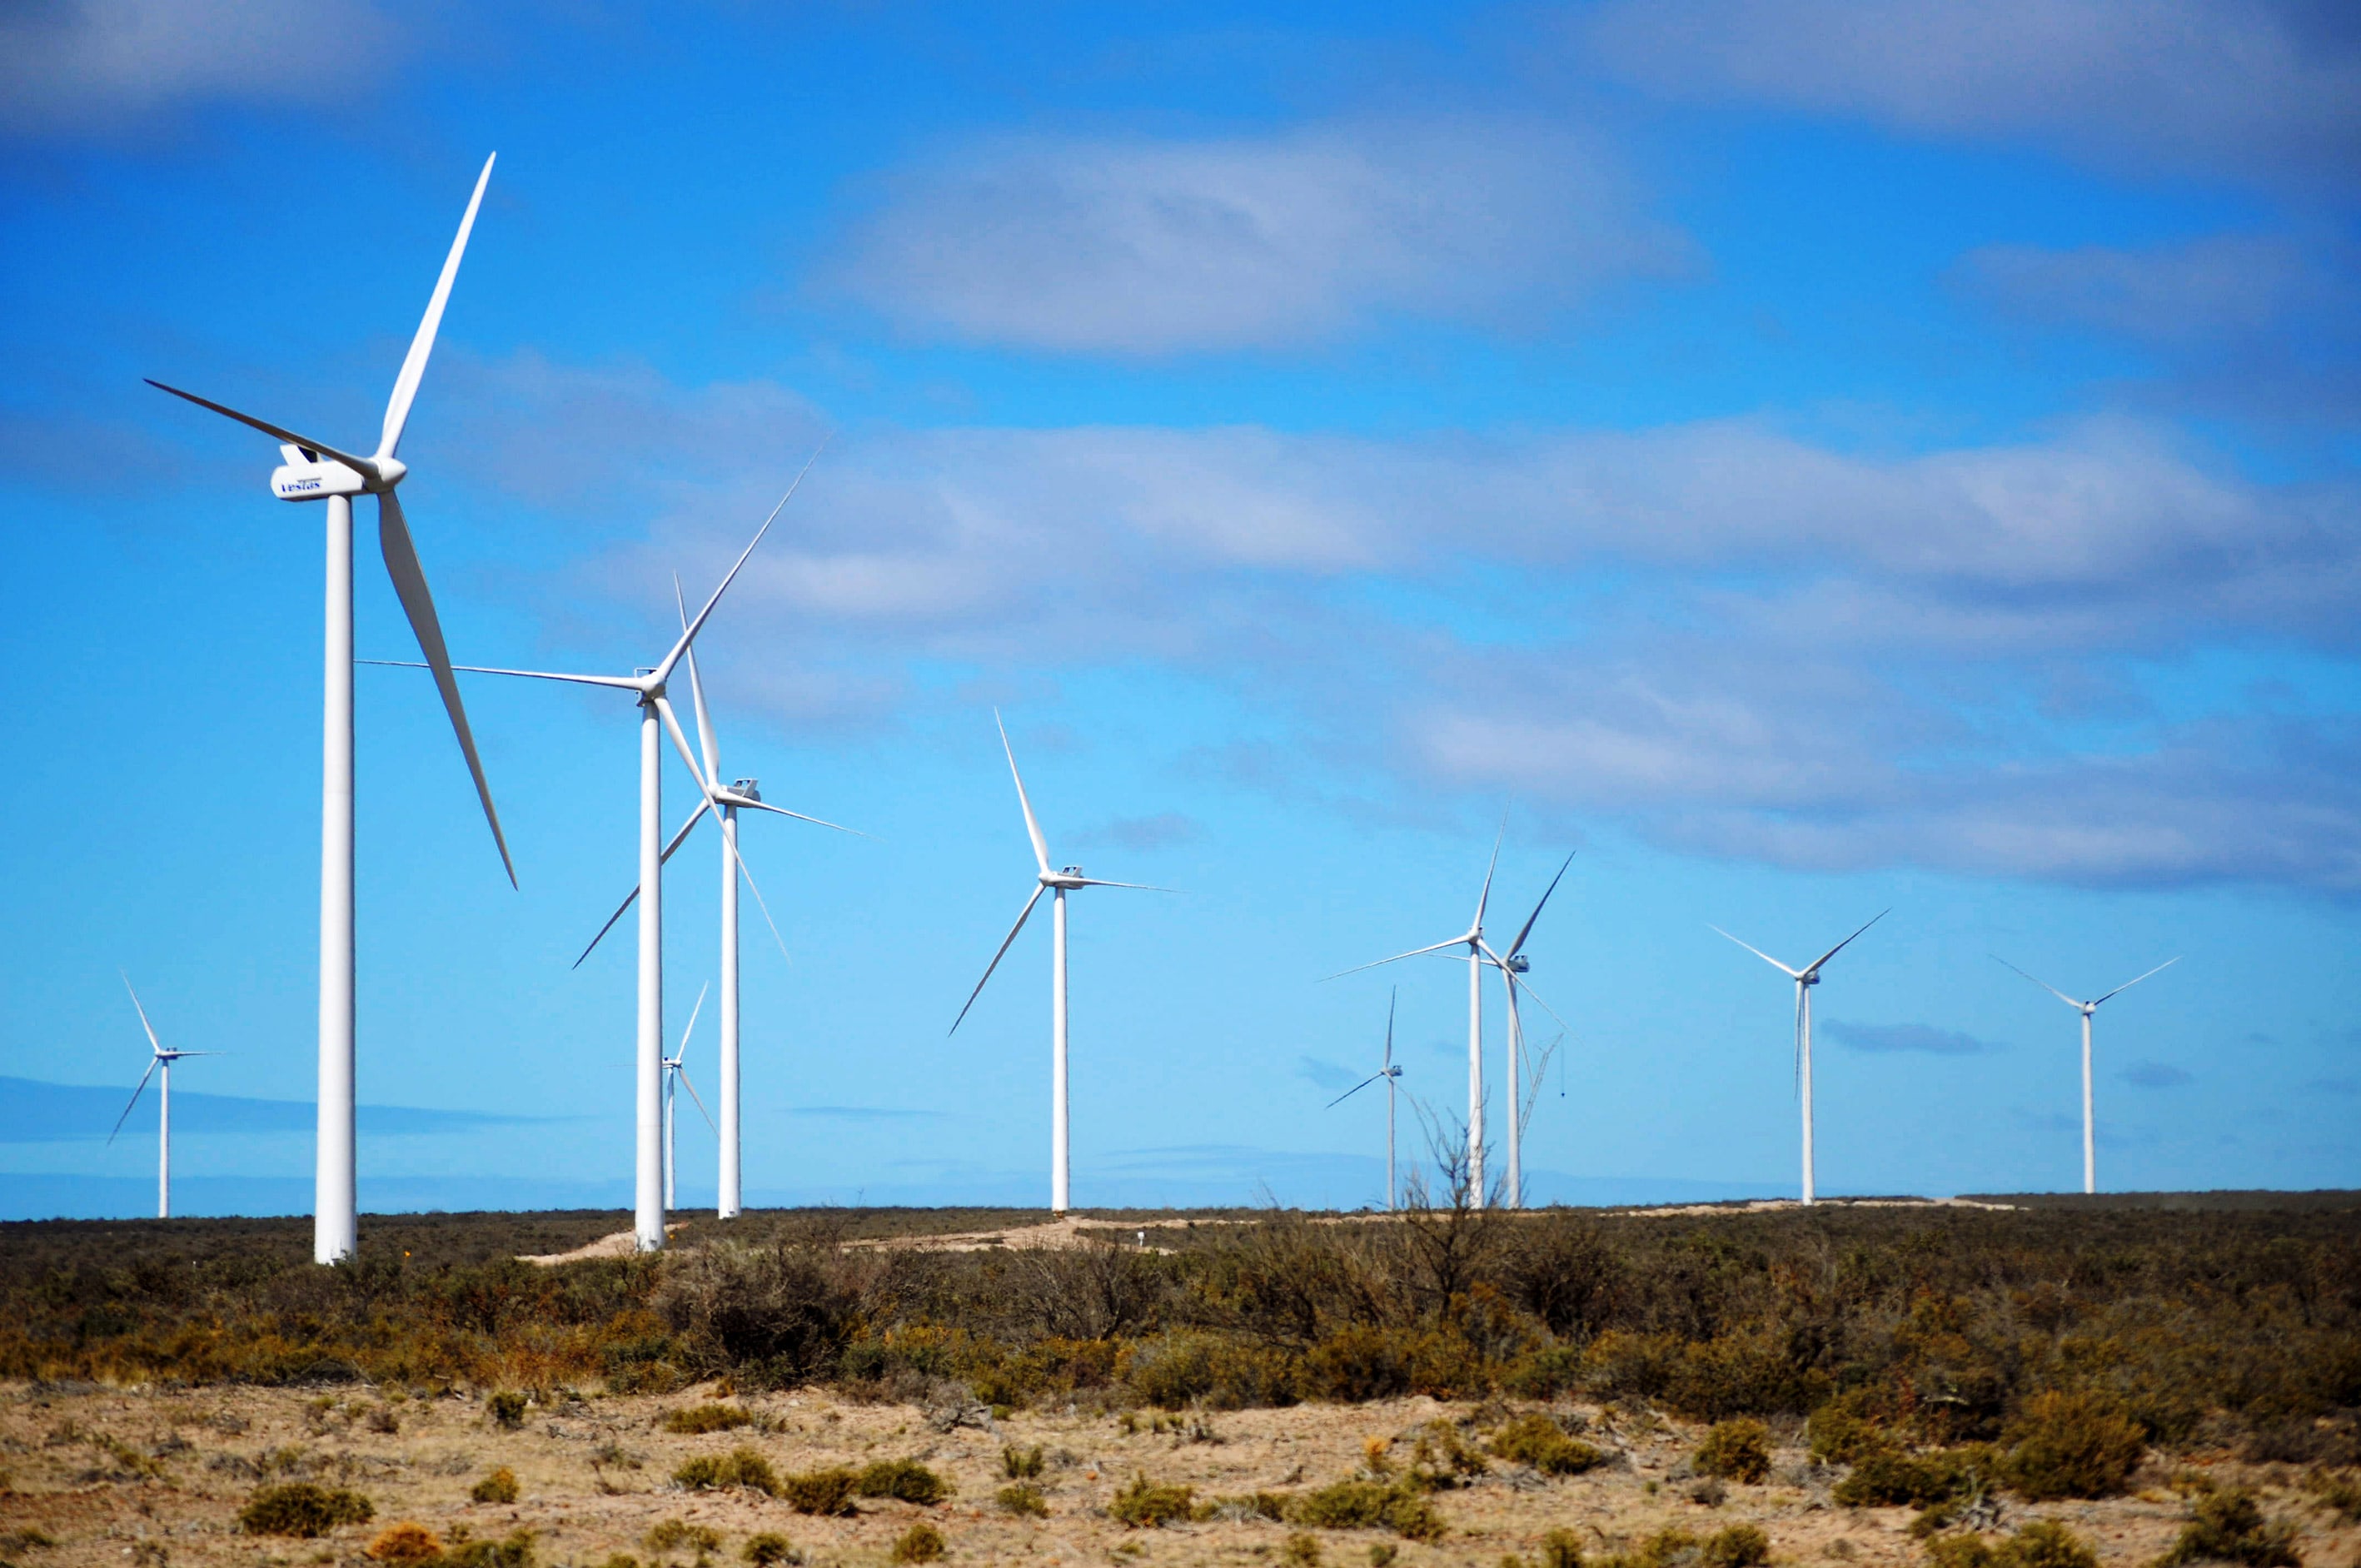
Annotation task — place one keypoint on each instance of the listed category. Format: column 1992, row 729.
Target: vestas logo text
column 300, row 485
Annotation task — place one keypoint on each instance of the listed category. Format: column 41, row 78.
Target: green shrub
column 1441, row 1458
column 1147, row 1504
column 671, row 1535
column 905, row 1480
column 1739, row 1546
column 1848, row 1427
column 827, row 1491
column 1885, row 1477
column 1358, row 1363
column 1020, row 1464
column 1560, row 1548
column 1023, row 1499
column 770, row 1548
column 2227, row 1526
column 505, row 1410
column 1401, row 1507
column 739, row 1468
column 695, row 1419
column 2340, row 1492
column 511, row 1550
column 301, row 1508
column 2044, row 1543
column 1534, row 1439
column 499, row 1486
column 2071, row 1445
column 1736, row 1451
column 919, row 1543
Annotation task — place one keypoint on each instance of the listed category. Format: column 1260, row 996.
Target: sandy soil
column 594, row 1478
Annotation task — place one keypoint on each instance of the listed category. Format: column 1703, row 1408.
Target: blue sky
column 1809, row 458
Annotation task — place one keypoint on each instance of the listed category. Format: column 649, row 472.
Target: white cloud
column 1143, row 247
column 2270, row 89
column 1810, row 657
column 2221, row 287
column 70, row 65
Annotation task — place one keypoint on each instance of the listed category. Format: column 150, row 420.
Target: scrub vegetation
column 2044, row 1351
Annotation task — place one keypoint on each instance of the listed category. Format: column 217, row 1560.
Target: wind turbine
column 1473, row 940
column 162, row 1060
column 1513, row 965
column 1391, row 1074
column 676, row 1079
column 2090, row 1149
column 1804, row 979
column 1059, row 883
column 314, row 470
column 744, row 794
column 656, row 718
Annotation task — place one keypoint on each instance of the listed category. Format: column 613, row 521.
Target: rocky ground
column 152, row 1477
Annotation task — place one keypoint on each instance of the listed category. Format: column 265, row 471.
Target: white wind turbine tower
column 1477, row 955
column 743, row 793
column 316, row 471
column 160, row 1061
column 1513, row 966
column 1391, row 1074
column 1804, row 979
column 1059, row 884
column 2090, row 1144
column 656, row 719
column 676, row 1066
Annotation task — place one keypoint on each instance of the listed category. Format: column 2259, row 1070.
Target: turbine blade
column 2044, row 984
column 153, row 1043
column 682, row 1048
column 1393, row 994
column 414, row 363
column 783, row 811
column 1355, row 1089
column 1484, row 898
column 1094, row 881
column 1774, row 963
column 680, row 744
column 1414, row 952
column 705, row 740
column 1841, row 947
column 633, row 896
column 2129, row 983
column 664, row 670
column 1799, row 1039
column 1532, row 995
column 135, row 1099
column 410, row 583
column 1527, row 930
column 620, row 683
column 1032, row 825
column 359, row 464
column 682, row 1073
column 1022, row 915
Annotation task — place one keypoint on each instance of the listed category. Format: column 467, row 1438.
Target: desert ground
column 92, row 1476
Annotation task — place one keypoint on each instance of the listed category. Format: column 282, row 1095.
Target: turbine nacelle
column 1520, row 964
column 308, row 477
column 1809, row 977
column 746, row 789
column 1066, row 877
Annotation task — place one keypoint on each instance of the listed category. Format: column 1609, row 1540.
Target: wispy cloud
column 1328, row 1076
column 1138, row 247
column 2264, row 89
column 1162, row 830
column 32, row 1111
column 2155, row 1075
column 106, row 65
column 1923, row 1039
column 1815, row 657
